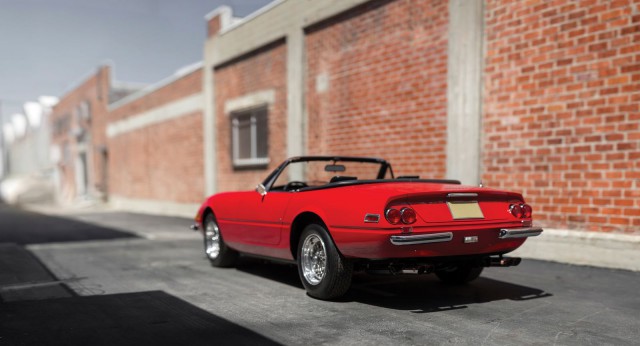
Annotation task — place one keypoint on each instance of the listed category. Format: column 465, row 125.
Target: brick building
column 561, row 116
column 155, row 146
column 78, row 137
column 538, row 97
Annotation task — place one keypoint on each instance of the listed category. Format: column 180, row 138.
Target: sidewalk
column 147, row 226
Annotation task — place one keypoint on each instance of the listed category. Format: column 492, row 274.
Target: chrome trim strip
column 462, row 194
column 510, row 233
column 421, row 239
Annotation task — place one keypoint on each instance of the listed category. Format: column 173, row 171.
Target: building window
column 62, row 126
column 85, row 108
column 249, row 140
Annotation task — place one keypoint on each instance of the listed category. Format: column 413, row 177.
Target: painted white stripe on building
column 258, row 98
column 157, row 115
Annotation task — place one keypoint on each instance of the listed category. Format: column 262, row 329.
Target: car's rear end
column 422, row 220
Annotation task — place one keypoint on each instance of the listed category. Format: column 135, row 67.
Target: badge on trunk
column 472, row 239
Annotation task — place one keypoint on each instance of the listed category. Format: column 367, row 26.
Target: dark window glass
column 262, row 131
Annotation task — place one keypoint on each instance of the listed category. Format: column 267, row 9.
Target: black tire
column 225, row 256
column 460, row 274
column 336, row 275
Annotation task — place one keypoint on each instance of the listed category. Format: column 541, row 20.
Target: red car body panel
column 262, row 225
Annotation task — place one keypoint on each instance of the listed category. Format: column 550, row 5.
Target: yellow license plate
column 465, row 210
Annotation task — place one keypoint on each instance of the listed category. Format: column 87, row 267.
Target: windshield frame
column 382, row 172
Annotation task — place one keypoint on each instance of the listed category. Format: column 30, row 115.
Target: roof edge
column 181, row 72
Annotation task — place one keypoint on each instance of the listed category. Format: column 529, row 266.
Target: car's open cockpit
column 318, row 172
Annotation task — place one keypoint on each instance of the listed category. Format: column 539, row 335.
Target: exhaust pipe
column 401, row 269
column 502, row 261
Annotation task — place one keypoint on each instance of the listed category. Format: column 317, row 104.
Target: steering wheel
column 295, row 185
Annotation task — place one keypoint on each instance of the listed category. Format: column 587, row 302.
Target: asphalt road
column 112, row 278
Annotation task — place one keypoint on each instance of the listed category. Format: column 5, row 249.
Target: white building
column 26, row 164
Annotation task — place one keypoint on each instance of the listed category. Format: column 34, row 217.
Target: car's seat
column 339, row 178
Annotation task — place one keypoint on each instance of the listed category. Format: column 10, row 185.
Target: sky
column 48, row 45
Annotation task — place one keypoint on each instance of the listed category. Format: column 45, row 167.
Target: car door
column 269, row 210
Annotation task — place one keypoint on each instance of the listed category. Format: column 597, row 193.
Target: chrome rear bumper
column 421, row 239
column 504, row 233
column 509, row 233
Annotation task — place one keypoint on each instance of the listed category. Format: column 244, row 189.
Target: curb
column 606, row 250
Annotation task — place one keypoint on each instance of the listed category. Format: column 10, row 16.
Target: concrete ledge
column 154, row 207
column 184, row 106
column 255, row 99
column 607, row 250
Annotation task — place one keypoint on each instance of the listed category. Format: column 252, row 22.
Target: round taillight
column 393, row 216
column 516, row 210
column 526, row 211
column 408, row 216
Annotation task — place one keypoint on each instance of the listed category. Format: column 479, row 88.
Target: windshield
column 302, row 174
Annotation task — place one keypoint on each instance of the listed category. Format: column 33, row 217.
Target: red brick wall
column 214, row 25
column 95, row 91
column 386, row 67
column 163, row 161
column 180, row 88
column 561, row 109
column 264, row 69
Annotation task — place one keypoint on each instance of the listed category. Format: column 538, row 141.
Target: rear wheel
column 460, row 274
column 325, row 274
column 218, row 253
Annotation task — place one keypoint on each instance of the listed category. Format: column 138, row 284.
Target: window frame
column 253, row 113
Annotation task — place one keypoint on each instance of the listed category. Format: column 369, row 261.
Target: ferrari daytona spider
column 336, row 215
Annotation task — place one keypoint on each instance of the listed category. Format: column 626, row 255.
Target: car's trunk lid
column 463, row 206
column 449, row 203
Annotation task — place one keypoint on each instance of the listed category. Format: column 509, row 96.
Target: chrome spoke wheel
column 314, row 259
column 212, row 240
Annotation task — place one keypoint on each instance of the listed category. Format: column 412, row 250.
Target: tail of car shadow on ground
column 24, row 227
column 415, row 293
column 140, row 318
column 426, row 294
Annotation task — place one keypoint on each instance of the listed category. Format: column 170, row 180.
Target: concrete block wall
column 561, row 110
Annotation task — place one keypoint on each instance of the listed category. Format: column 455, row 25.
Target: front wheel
column 325, row 274
column 218, row 253
column 460, row 274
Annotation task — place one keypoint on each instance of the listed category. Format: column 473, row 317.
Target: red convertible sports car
column 336, row 215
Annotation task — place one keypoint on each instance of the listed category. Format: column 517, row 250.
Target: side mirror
column 261, row 190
